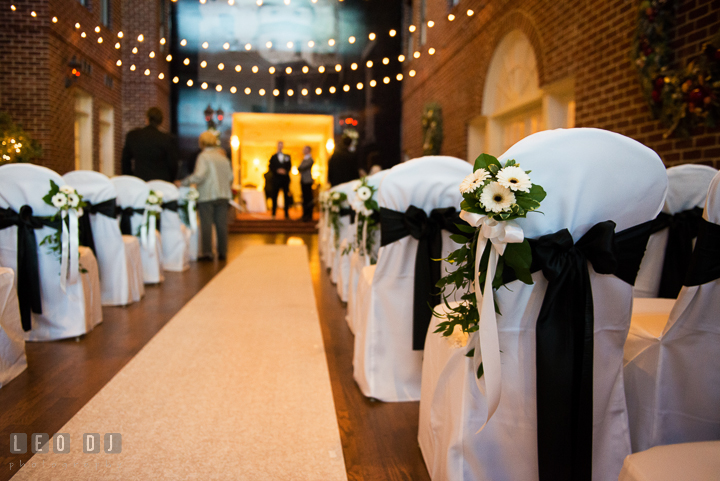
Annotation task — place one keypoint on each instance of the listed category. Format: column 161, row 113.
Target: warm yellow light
column 33, row 14
column 77, row 25
column 416, row 54
column 132, row 67
column 255, row 69
column 311, row 44
column 189, row 83
column 117, row 45
column 183, row 42
column 288, row 70
column 305, row 69
column 412, row 28
column 54, row 20
column 176, row 80
column 286, row 2
column 338, row 67
column 203, row 64
column 231, row 2
column 151, row 55
column 261, row 92
column 268, row 44
column 386, row 80
column 100, row 40
column 247, row 91
column 371, row 36
column 141, row 38
column 147, row 71
column 321, row 69
column 369, row 63
column 318, row 91
column 294, row 171
column 271, row 70
column 332, row 89
column 12, row 7
column 431, row 51
column 290, row 45
column 386, row 61
column 168, row 58
column 162, row 41
column 248, row 46
column 238, row 68
column 97, row 29
column 186, row 61
column 221, row 66
column 330, row 145
column 331, row 42
column 304, row 92
column 161, row 75
column 353, row 66
column 470, row 13
column 393, row 33
column 359, row 86
column 205, row 45
column 430, row 24
column 233, row 89
column 83, row 35
column 256, row 162
column 351, row 39
column 276, row 92
column 451, row 17
column 226, row 45
column 411, row 73
column 399, row 76
column 401, row 58
column 118, row 63
column 234, row 142
column 346, row 88
column 204, row 85
column 134, row 50
column 373, row 83
column 290, row 92
column 259, row 3
column 203, row 1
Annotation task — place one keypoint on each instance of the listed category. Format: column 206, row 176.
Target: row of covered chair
column 112, row 262
column 639, row 384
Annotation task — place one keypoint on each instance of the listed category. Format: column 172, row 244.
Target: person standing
column 213, row 176
column 306, row 183
column 343, row 164
column 149, row 153
column 280, row 168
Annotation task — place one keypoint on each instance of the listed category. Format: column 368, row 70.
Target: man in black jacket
column 280, row 168
column 149, row 153
column 343, row 164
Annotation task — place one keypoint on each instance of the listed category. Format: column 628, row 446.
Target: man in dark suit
column 280, row 168
column 343, row 164
column 149, row 153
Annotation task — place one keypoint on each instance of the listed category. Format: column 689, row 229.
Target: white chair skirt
column 12, row 342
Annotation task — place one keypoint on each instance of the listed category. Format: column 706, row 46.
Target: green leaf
column 537, row 193
column 484, row 161
column 494, row 169
column 519, row 258
column 480, row 371
column 470, row 353
column 474, row 207
column 465, row 228
column 459, row 238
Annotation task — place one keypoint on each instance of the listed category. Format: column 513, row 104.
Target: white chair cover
column 65, row 314
column 690, row 461
column 672, row 362
column 384, row 364
column 191, row 235
column 590, row 176
column 118, row 256
column 347, row 234
column 133, row 192
column 687, row 188
column 358, row 259
column 12, row 341
column 336, row 247
column 176, row 252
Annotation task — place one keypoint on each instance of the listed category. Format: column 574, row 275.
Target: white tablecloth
column 254, row 200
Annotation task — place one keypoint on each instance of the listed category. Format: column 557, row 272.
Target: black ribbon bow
column 346, row 211
column 28, row 275
column 705, row 262
column 171, row 206
column 427, row 230
column 106, row 208
column 126, row 214
column 682, row 229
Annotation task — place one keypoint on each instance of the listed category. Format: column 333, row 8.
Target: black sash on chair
column 705, row 262
column 171, row 206
column 346, row 211
column 427, row 230
column 28, row 275
column 126, row 214
column 564, row 339
column 682, row 229
column 106, row 208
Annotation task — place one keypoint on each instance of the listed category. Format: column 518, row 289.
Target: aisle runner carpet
column 234, row 387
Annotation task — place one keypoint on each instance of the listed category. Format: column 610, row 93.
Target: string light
column 451, row 17
column 373, row 83
column 233, row 89
column 271, row 70
column 311, row 44
column 118, row 63
column 346, row 88
column 386, row 61
column 100, row 40
column 401, row 58
column 247, row 91
column 97, row 29
column 176, row 80
column 231, row 2
column 290, row 45
column 205, row 45
column 238, row 68
column 33, row 14
column 386, row 80
column 189, row 83
column 321, row 69
column 261, row 92
column 359, row 86
column 259, row 3
column 331, row 42
column 221, row 66
column 411, row 28
column 470, row 13
column 183, row 42
column 288, row 70
column 134, row 50
column 204, row 86
column 399, row 76
column 248, row 46
column 117, row 45
column 12, row 7
column 304, row 92
column 218, row 88
column 416, row 54
column 168, row 58
column 431, row 51
column 161, row 76
column 290, row 92
column 393, row 32
column 354, row 66
column 411, row 73
column 83, row 35
column 305, row 69
column 162, row 41
column 430, row 24
column 371, row 36
column 132, row 67
column 186, row 61
column 255, row 69
column 54, row 20
column 203, row 64
column 338, row 67
column 141, row 38
column 77, row 25
column 276, row 92
column 226, row 45
column 147, row 71
column 268, row 44
column 351, row 39
column 369, row 63
column 332, row 90
column 151, row 55
column 318, row 91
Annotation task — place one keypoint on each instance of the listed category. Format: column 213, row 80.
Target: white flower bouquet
column 336, row 201
column 64, row 198
column 366, row 208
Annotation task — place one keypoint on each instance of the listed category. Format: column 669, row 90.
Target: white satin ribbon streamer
column 365, row 253
column 69, row 244
column 487, row 346
column 192, row 215
column 144, row 229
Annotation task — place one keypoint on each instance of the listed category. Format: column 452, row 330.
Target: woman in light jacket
column 213, row 176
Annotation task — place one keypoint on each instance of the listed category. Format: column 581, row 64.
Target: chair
column 118, row 256
column 58, row 311
column 191, row 229
column 12, row 342
column 662, row 268
column 692, row 461
column 385, row 365
column 334, row 239
column 176, row 253
column 358, row 259
column 132, row 194
column 590, row 176
column 341, row 262
column 672, row 357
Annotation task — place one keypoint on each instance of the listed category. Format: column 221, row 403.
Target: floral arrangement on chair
column 188, row 208
column 368, row 222
column 494, row 195
column 335, row 203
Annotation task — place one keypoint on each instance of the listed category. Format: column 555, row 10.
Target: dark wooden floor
column 379, row 439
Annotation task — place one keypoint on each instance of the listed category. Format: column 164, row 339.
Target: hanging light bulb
column 332, row 89
column 470, row 13
column 161, row 75
column 147, row 71
column 276, row 92
column 321, row 69
column 186, row 61
column 359, row 86
column 218, row 88
column 189, row 83
column 238, row 68
column 393, row 33
column 247, row 91
column 369, row 63
column 134, row 50
column 203, row 64
column 373, row 83
column 416, row 54
column 77, row 25
column 176, row 80
column 255, row 69
column 168, row 58
column 318, row 91
column 338, row 67
column 371, row 36
column 226, row 45
column 386, row 61
column 411, row 28
column 311, row 44
column 386, row 80
column 451, row 17
column 205, row 45
column 183, row 42
column 346, row 88
column 221, row 66
column 290, row 92
column 430, row 24
column 141, row 37
column 288, row 70
column 304, row 92
column 204, row 85
column 261, row 92
column 351, row 39
column 151, row 55
column 162, row 41
column 305, row 69
column 411, row 73
column 271, row 70
column 431, row 51
column 353, row 66
column 233, row 89
column 399, row 76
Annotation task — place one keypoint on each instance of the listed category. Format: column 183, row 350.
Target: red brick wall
column 34, row 57
column 589, row 41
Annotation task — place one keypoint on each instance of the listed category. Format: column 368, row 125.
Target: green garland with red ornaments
column 681, row 98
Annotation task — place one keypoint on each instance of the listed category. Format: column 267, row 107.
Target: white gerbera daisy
column 473, row 181
column 66, row 189
column 152, row 199
column 364, row 193
column 335, row 195
column 497, row 198
column 514, row 178
column 73, row 200
column 59, row 200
